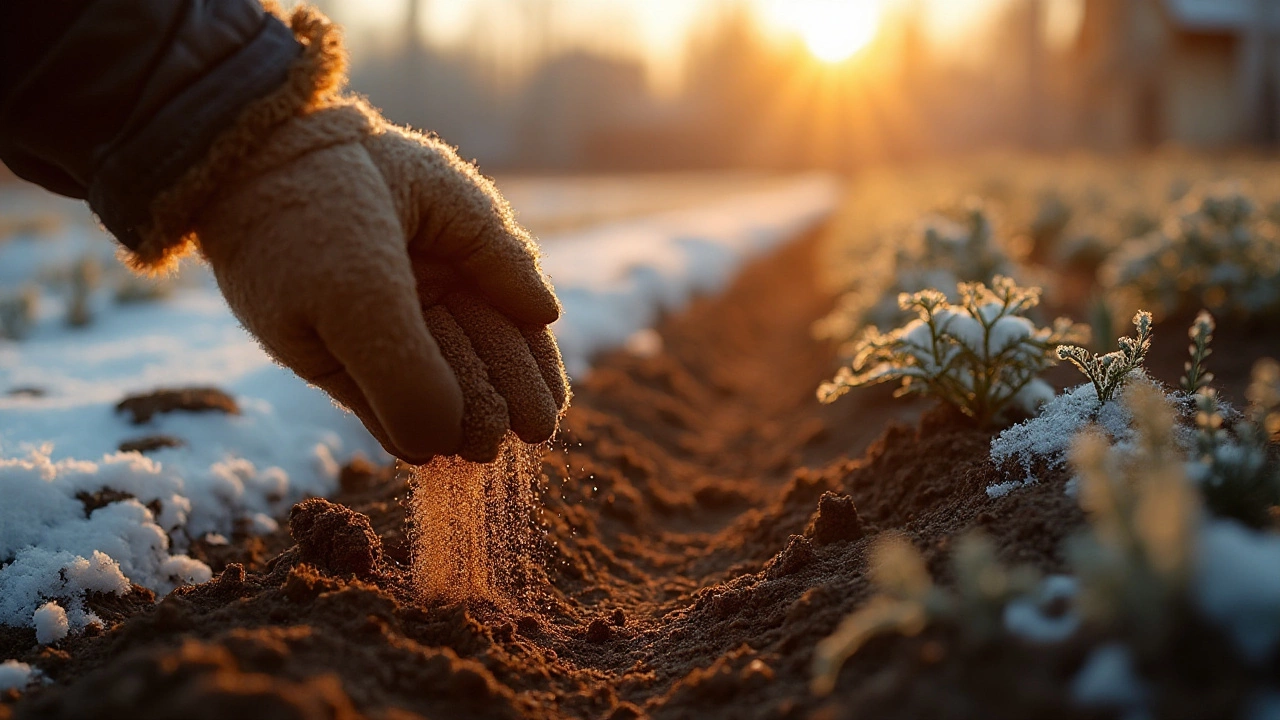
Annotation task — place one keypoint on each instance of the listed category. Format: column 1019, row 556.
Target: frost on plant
column 1045, row 439
column 909, row 600
column 980, row 355
column 1108, row 372
column 942, row 252
column 1234, row 468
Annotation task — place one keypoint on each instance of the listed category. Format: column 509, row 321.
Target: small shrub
column 980, row 355
column 1215, row 251
column 1150, row 553
column 1234, row 468
column 1108, row 371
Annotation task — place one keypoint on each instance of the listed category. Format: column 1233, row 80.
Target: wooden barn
column 1196, row 73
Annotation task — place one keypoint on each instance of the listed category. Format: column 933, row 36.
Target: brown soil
column 705, row 523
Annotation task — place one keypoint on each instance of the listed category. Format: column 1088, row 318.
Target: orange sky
column 656, row 30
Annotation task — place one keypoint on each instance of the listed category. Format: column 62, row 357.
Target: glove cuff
column 314, row 81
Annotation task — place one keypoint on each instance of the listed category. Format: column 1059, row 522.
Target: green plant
column 1108, row 371
column 979, row 355
column 909, row 600
column 1201, row 334
column 1214, row 250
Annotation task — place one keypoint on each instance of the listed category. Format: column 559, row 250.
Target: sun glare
column 833, row 30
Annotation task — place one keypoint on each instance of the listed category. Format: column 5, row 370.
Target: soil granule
column 702, row 522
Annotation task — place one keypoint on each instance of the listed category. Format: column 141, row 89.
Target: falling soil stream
column 700, row 524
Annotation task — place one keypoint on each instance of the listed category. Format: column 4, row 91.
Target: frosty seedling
column 1201, row 334
column 1108, row 372
column 980, row 355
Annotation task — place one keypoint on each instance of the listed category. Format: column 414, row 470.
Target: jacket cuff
column 164, row 231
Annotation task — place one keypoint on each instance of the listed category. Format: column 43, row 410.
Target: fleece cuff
column 313, row 81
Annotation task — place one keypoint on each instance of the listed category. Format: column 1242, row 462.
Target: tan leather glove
column 377, row 265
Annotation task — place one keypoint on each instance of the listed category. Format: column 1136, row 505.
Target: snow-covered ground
column 239, row 472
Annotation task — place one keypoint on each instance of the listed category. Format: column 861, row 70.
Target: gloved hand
column 372, row 261
column 377, row 265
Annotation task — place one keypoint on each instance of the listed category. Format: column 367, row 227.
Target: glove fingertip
column 542, row 344
column 484, row 411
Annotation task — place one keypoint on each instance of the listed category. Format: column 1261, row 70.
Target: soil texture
column 703, row 523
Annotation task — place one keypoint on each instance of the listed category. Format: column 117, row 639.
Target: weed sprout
column 1135, row 558
column 1108, row 372
column 980, row 355
column 1201, row 334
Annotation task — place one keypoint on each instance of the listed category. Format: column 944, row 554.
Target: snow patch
column 1108, row 680
column 51, row 624
column 617, row 278
column 1237, row 586
column 1047, row 437
column 1027, row 617
column 16, row 675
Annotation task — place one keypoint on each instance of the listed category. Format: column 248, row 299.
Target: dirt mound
column 335, row 538
column 703, row 523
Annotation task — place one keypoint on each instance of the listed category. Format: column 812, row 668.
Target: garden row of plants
column 1180, row 487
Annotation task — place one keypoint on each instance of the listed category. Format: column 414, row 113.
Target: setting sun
column 833, row 30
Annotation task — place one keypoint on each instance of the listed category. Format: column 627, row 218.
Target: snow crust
column 237, row 473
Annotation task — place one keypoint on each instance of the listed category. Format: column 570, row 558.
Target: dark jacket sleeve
column 112, row 100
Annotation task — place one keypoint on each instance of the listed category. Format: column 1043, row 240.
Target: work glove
column 377, row 265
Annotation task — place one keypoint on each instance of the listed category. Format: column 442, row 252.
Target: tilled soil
column 705, row 523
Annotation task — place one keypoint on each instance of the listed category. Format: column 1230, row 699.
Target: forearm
column 114, row 100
